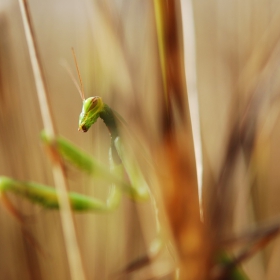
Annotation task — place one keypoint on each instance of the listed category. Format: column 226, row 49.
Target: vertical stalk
column 70, row 236
column 180, row 190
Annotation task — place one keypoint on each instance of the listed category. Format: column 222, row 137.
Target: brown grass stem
column 70, row 236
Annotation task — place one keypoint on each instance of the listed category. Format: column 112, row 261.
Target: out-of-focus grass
column 117, row 49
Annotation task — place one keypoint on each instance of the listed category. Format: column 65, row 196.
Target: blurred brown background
column 116, row 46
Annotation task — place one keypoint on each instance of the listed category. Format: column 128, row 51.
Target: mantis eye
column 93, row 103
column 90, row 103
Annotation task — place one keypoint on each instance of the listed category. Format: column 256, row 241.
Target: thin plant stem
column 190, row 66
column 70, row 236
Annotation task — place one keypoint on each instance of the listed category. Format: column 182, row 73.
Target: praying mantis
column 135, row 187
column 92, row 109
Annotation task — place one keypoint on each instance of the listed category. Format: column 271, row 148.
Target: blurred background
column 232, row 55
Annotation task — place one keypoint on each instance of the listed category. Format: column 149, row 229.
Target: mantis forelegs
column 46, row 196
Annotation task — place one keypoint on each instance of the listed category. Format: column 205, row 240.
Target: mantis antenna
column 81, row 88
column 72, row 77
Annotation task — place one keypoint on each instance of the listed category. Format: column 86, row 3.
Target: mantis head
column 92, row 107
